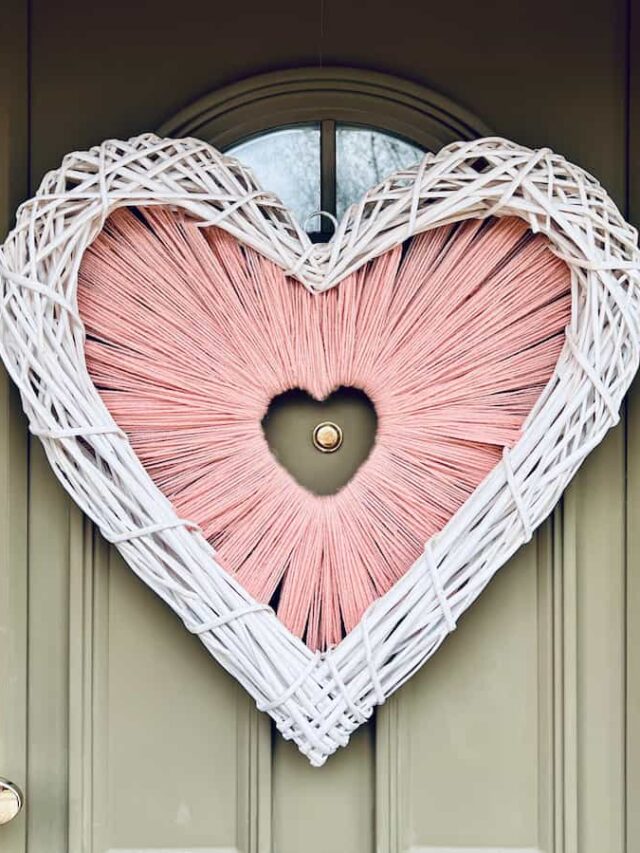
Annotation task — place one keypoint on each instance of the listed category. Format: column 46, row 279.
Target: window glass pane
column 286, row 162
column 364, row 158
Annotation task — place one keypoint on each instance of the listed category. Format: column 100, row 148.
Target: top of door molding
column 238, row 111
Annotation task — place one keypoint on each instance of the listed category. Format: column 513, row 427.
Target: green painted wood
column 514, row 735
column 594, row 560
column 156, row 732
column 632, row 753
column 13, row 439
column 600, row 541
column 633, row 476
column 48, row 659
column 327, row 812
column 168, row 694
column 464, row 739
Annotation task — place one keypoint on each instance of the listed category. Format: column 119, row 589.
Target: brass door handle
column 11, row 800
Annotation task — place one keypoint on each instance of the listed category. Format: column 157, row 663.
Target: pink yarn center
column 191, row 335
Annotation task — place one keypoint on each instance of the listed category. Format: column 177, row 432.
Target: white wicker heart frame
column 318, row 699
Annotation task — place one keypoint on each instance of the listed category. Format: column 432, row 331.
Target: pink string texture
column 190, row 335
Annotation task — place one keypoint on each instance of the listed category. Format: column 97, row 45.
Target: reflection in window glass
column 286, row 162
column 364, row 158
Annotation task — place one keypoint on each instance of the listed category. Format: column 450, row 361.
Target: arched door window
column 320, row 137
column 324, row 166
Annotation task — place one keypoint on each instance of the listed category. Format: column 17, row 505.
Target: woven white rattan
column 318, row 699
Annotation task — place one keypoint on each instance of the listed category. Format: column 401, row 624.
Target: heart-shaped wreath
column 317, row 698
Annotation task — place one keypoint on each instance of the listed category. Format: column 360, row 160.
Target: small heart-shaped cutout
column 289, row 426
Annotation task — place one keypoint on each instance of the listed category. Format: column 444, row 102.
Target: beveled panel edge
column 594, row 664
column 254, row 743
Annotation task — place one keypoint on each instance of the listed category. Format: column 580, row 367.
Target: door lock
column 11, row 800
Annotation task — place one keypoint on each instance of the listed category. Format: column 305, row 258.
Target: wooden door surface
column 521, row 735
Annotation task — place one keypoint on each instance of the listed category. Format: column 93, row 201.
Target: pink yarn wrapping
column 191, row 335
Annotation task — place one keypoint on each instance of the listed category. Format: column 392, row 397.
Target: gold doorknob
column 11, row 800
column 327, row 437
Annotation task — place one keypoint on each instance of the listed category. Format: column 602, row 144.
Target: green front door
column 521, row 735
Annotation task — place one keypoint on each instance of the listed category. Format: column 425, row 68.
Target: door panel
column 508, row 739
column 125, row 735
column 170, row 734
column 481, row 779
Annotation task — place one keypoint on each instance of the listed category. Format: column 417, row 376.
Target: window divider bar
column 327, row 172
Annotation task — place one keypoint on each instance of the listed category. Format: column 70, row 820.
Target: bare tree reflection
column 364, row 158
column 287, row 162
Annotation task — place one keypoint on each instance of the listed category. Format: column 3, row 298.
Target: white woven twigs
column 318, row 699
